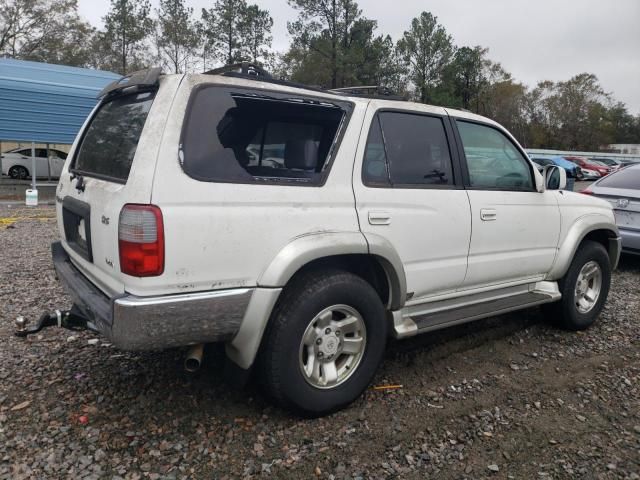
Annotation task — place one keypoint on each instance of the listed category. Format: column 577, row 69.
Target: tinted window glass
column 110, row 141
column 493, row 161
column 246, row 137
column 375, row 160
column 626, row 178
column 415, row 147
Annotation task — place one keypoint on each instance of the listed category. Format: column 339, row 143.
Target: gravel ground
column 508, row 397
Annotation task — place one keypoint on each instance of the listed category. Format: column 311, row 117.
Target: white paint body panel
column 519, row 243
column 429, row 228
column 224, row 235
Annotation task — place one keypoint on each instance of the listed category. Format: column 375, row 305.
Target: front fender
column 580, row 228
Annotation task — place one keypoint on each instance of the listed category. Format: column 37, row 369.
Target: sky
column 533, row 40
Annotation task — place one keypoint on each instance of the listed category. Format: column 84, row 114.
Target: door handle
column 379, row 218
column 488, row 214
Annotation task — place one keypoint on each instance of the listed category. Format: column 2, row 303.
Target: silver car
column 622, row 190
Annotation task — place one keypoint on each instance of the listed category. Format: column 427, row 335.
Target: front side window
column 110, row 141
column 492, row 159
column 241, row 137
column 405, row 149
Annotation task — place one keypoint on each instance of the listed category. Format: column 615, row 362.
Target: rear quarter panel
column 225, row 235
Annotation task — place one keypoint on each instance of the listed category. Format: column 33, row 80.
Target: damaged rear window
column 235, row 135
column 110, row 141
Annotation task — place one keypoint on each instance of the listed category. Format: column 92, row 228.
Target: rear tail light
column 586, row 191
column 141, row 240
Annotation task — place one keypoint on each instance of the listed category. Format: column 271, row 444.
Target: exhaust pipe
column 193, row 360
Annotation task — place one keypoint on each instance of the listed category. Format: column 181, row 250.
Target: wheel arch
column 373, row 259
column 375, row 262
column 597, row 228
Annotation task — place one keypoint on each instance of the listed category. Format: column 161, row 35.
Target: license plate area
column 76, row 217
column 627, row 219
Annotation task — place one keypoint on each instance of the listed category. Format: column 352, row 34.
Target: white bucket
column 32, row 198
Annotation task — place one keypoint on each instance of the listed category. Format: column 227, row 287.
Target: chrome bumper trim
column 149, row 323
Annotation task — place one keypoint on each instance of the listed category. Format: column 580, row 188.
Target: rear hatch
column 111, row 164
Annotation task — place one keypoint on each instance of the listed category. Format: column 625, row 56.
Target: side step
column 477, row 311
column 426, row 317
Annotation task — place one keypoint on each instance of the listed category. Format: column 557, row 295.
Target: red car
column 583, row 162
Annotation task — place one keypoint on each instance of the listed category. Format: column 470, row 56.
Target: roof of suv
column 300, row 89
column 251, row 76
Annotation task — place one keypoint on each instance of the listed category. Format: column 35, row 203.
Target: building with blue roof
column 46, row 103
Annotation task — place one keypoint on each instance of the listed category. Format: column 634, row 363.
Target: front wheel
column 324, row 342
column 584, row 288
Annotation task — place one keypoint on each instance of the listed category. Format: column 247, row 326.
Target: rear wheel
column 584, row 288
column 324, row 342
column 18, row 172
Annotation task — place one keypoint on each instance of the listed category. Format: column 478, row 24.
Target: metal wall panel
column 46, row 103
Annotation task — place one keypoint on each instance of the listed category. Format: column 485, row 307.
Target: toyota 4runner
column 303, row 227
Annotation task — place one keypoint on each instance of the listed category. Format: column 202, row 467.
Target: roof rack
column 244, row 69
column 254, row 72
column 250, row 71
column 142, row 79
column 369, row 91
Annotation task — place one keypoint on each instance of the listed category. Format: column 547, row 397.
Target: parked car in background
column 592, row 169
column 609, row 162
column 622, row 190
column 17, row 163
column 574, row 172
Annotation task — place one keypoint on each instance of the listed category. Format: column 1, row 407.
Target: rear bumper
column 148, row 323
column 630, row 240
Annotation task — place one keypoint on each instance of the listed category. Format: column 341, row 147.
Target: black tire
column 280, row 357
column 18, row 172
column 565, row 312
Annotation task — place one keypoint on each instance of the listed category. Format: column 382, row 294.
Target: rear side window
column 241, row 136
column 628, row 178
column 110, row 141
column 493, row 160
column 406, row 149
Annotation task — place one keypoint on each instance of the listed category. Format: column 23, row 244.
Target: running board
column 406, row 326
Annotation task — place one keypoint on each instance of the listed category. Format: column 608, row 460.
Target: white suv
column 303, row 227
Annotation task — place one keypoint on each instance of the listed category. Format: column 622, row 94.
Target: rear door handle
column 379, row 218
column 488, row 214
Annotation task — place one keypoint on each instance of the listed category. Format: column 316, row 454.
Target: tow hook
column 64, row 319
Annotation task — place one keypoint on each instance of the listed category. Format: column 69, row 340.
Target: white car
column 371, row 218
column 588, row 174
column 17, row 163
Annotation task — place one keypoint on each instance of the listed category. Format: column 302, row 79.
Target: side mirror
column 555, row 178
